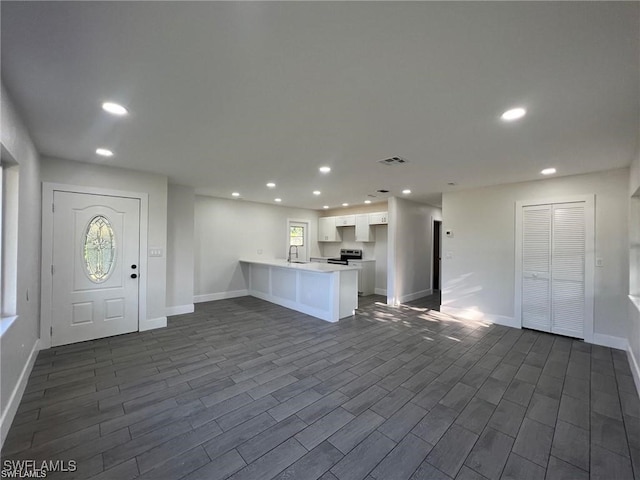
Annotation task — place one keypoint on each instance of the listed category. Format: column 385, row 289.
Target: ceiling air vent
column 394, row 161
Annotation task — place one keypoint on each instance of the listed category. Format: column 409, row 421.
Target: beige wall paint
column 355, row 209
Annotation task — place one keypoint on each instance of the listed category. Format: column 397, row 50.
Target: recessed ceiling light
column 104, row 152
column 316, row 192
column 367, row 201
column 548, row 171
column 513, row 114
column 345, row 204
column 406, row 191
column 325, row 169
column 277, row 200
column 325, row 207
column 114, row 108
column 235, row 194
column 271, row 185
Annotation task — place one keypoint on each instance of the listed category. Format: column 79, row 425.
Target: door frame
column 46, row 289
column 589, row 259
column 435, row 220
column 306, row 235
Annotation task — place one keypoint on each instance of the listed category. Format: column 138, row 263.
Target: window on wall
column 634, row 247
column 296, row 236
column 9, row 184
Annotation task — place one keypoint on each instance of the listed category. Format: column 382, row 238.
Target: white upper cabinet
column 378, row 218
column 364, row 231
column 327, row 231
column 346, row 221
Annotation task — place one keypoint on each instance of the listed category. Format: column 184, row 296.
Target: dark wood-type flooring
column 245, row 389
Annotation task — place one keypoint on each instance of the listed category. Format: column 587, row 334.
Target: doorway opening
column 437, row 254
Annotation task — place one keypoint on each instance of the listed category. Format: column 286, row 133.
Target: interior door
column 553, row 268
column 95, row 266
column 536, row 267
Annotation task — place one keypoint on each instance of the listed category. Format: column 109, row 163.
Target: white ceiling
column 226, row 96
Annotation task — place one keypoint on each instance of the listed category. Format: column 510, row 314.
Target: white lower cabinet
column 366, row 276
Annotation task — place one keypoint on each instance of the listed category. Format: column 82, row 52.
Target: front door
column 95, row 266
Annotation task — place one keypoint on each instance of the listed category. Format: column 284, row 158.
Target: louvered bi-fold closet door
column 553, row 268
column 567, row 270
column 536, row 267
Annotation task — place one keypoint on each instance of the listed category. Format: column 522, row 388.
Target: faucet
column 291, row 247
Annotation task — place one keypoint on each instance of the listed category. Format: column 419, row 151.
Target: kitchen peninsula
column 322, row 290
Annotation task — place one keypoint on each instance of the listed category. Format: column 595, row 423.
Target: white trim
column 610, row 341
column 475, row 315
column 212, row 297
column 635, row 368
column 47, row 253
column 380, row 291
column 16, row 396
column 152, row 323
column 415, row 295
column 180, row 309
column 589, row 265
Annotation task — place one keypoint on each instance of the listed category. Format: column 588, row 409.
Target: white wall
column 227, row 230
column 90, row 175
column 18, row 346
column 410, row 249
column 480, row 275
column 180, row 253
column 633, row 326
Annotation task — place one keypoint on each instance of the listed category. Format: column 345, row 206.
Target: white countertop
column 309, row 267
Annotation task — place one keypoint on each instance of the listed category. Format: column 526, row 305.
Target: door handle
column 133, row 275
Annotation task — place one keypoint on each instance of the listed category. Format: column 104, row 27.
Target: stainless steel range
column 346, row 255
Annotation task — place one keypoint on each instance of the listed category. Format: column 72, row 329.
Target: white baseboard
column 475, row 315
column 635, row 368
column 380, row 291
column 415, row 295
column 152, row 323
column 210, row 297
column 14, row 401
column 180, row 309
column 610, row 341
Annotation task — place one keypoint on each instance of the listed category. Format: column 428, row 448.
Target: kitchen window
column 296, row 236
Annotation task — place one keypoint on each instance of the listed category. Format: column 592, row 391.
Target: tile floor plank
column 243, row 388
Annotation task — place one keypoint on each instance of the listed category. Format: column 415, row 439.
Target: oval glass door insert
column 99, row 249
